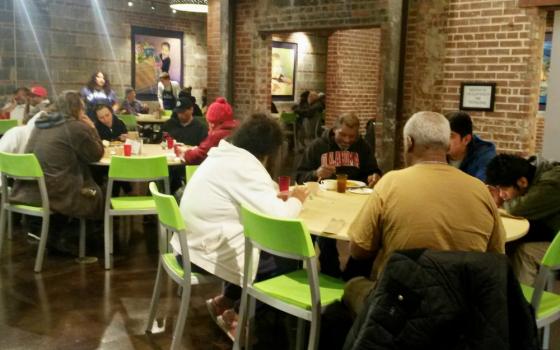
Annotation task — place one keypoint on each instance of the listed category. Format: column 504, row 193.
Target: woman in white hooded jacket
column 234, row 174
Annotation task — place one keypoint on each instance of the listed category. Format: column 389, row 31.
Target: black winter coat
column 445, row 300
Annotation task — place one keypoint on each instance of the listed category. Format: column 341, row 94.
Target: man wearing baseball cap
column 37, row 101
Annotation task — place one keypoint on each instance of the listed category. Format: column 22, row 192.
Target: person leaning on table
column 429, row 204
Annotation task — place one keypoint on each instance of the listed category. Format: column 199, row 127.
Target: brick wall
column 74, row 44
column 539, row 133
column 456, row 41
column 311, row 63
column 214, row 49
column 353, row 74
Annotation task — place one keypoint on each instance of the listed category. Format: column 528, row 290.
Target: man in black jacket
column 108, row 126
column 340, row 150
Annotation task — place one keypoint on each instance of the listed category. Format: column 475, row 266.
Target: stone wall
column 353, row 74
column 454, row 41
column 74, row 42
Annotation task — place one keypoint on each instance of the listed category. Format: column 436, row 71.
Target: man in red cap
column 220, row 125
column 37, row 101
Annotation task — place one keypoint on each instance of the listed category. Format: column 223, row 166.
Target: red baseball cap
column 40, row 91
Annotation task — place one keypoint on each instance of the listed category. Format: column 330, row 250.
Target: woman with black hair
column 98, row 91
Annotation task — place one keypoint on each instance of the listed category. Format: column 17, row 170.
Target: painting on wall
column 155, row 51
column 283, row 65
column 545, row 70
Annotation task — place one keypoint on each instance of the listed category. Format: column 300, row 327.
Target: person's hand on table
column 123, row 137
column 372, row 179
column 300, row 193
column 182, row 149
column 325, row 171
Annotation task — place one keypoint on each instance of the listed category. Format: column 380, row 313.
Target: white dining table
column 330, row 214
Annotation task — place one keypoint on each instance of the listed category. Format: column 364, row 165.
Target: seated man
column 468, row 152
column 108, row 126
column 38, row 101
column 182, row 126
column 131, row 105
column 427, row 205
column 531, row 189
column 341, row 150
column 234, row 174
column 15, row 108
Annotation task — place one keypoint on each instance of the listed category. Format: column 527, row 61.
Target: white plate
column 354, row 183
column 330, row 184
column 363, row 190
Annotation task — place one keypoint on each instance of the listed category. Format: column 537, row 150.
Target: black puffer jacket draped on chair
column 445, row 300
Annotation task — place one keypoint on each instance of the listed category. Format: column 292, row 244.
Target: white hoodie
column 211, row 203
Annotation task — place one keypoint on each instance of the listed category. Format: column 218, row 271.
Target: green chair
column 170, row 220
column 289, row 120
column 545, row 303
column 167, row 113
column 7, row 124
column 129, row 120
column 26, row 167
column 302, row 293
column 131, row 169
column 190, row 170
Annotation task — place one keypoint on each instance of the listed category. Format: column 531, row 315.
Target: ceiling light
column 130, row 4
column 174, row 11
column 200, row 6
column 153, row 7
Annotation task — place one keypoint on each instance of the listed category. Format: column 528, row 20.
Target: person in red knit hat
column 220, row 125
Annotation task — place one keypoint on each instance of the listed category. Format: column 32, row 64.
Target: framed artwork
column 283, row 68
column 545, row 70
column 477, row 96
column 155, row 51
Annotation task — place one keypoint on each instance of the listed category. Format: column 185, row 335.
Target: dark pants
column 330, row 264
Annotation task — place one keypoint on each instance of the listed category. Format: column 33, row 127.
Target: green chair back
column 167, row 209
column 288, row 117
column 138, row 168
column 7, row 124
column 552, row 255
column 129, row 120
column 167, row 113
column 20, row 165
column 190, row 170
column 287, row 236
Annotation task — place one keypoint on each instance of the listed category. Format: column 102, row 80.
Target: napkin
column 334, row 226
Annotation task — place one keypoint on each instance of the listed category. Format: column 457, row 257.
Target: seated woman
column 108, row 126
column 220, row 125
column 65, row 143
column 233, row 174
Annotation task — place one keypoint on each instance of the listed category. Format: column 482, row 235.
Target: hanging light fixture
column 200, row 6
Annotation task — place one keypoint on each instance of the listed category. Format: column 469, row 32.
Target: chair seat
column 133, row 203
column 170, row 260
column 32, row 208
column 293, row 288
column 550, row 302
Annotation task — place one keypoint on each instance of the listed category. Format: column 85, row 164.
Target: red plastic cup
column 284, row 184
column 127, row 150
column 170, row 143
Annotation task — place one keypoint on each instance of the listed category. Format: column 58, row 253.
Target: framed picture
column 545, row 70
column 284, row 63
column 155, row 51
column 477, row 96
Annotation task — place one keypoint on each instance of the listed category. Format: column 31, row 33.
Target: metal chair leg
column 241, row 322
column 300, row 337
column 2, row 227
column 10, row 225
column 155, row 297
column 546, row 338
column 107, row 235
column 314, row 332
column 42, row 244
column 82, row 249
column 181, row 319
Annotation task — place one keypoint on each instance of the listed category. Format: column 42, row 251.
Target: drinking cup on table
column 341, row 183
column 284, row 186
column 127, row 149
column 170, row 143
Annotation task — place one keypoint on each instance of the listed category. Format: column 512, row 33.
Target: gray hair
column 428, row 129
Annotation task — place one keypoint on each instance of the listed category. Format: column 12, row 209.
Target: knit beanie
column 219, row 111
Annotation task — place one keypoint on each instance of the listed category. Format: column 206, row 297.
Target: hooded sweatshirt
column 479, row 154
column 210, row 206
column 541, row 203
column 196, row 155
column 357, row 161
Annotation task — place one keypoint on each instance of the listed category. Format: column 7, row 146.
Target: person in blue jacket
column 467, row 151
